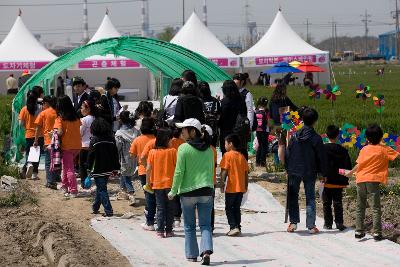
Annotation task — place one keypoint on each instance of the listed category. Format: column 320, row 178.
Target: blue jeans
column 165, row 210
column 150, row 208
column 204, row 206
column 126, row 183
column 51, row 177
column 102, row 196
column 309, row 188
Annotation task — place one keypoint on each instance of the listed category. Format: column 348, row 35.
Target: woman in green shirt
column 193, row 182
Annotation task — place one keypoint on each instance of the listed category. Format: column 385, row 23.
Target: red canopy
column 308, row 67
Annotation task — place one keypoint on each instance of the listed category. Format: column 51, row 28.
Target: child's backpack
column 163, row 114
column 211, row 118
column 128, row 164
column 260, row 122
column 55, row 152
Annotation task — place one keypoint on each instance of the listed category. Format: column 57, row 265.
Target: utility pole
column 205, row 12
column 333, row 41
column 395, row 15
column 85, row 23
column 336, row 38
column 183, row 12
column 366, row 20
column 308, row 39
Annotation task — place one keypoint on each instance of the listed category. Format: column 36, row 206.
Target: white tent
column 282, row 43
column 195, row 36
column 21, row 50
column 135, row 80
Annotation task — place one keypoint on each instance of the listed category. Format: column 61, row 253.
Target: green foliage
column 22, row 194
column 167, row 34
column 5, row 117
column 347, row 107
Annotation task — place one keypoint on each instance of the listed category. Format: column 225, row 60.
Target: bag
column 87, row 183
column 242, row 126
column 260, row 123
column 210, row 118
column 163, row 114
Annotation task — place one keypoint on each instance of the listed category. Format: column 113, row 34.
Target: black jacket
column 189, row 106
column 78, row 105
column 338, row 158
column 305, row 155
column 107, row 107
column 103, row 157
column 230, row 109
column 274, row 108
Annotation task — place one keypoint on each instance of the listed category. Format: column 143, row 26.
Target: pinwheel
column 379, row 102
column 291, row 121
column 348, row 135
column 361, row 140
column 390, row 140
column 363, row 92
column 331, row 93
column 314, row 92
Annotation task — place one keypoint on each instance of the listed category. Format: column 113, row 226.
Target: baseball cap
column 25, row 72
column 208, row 129
column 189, row 123
column 78, row 80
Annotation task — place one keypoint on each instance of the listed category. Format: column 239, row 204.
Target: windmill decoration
column 314, row 92
column 364, row 92
column 379, row 103
column 330, row 94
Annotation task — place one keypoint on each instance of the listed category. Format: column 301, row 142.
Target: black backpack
column 163, row 115
column 242, row 126
column 255, row 121
column 211, row 118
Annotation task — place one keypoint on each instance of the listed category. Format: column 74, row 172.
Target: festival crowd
column 173, row 152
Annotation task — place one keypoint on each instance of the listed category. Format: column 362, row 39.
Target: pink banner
column 108, row 63
column 22, row 65
column 225, row 62
column 319, row 59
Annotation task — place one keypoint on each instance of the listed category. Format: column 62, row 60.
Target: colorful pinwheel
column 361, row 140
column 331, row 93
column 291, row 121
column 348, row 135
column 314, row 91
column 379, row 102
column 363, row 92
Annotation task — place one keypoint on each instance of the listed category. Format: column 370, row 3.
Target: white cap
column 208, row 129
column 189, row 123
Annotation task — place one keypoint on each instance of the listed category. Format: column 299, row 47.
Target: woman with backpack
column 170, row 100
column 189, row 105
column 110, row 103
column 233, row 113
column 212, row 110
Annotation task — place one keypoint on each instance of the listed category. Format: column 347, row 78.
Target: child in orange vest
column 160, row 172
column 371, row 170
column 234, row 176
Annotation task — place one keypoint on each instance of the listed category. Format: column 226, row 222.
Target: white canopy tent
column 282, row 43
column 20, row 50
column 195, row 36
column 135, row 79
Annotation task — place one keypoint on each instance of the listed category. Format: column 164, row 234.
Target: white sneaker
column 35, row 176
column 132, row 200
column 177, row 223
column 66, row 194
column 233, row 232
column 29, row 171
column 147, row 227
column 73, row 195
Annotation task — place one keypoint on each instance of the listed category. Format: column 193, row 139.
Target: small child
column 234, row 175
column 338, row 158
column 262, row 131
column 160, row 172
column 124, row 138
column 371, row 170
column 88, row 111
column 44, row 123
column 102, row 162
column 137, row 147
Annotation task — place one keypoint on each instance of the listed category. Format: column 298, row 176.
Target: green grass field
column 347, row 107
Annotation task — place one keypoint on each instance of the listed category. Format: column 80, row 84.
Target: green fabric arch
column 158, row 56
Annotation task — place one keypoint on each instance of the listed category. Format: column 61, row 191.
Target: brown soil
column 276, row 184
column 64, row 224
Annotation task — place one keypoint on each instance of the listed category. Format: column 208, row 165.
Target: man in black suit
column 79, row 86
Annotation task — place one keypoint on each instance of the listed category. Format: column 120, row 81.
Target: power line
column 366, row 20
column 68, row 4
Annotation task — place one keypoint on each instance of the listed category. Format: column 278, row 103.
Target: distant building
column 387, row 44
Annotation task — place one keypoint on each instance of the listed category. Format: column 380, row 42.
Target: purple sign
column 108, row 63
column 22, row 65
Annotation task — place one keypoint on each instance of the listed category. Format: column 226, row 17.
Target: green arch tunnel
column 159, row 57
